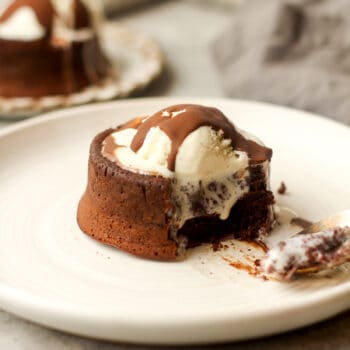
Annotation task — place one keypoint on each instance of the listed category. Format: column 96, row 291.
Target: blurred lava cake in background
column 49, row 47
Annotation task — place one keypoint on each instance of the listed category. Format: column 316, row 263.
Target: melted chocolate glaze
column 191, row 118
column 109, row 145
column 131, row 124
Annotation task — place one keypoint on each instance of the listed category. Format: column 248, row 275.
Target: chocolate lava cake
column 49, row 47
column 185, row 175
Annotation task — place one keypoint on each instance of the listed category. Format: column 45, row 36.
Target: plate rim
column 65, row 112
column 11, row 297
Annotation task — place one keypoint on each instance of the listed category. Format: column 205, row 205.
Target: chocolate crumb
column 282, row 189
column 212, row 186
column 216, row 245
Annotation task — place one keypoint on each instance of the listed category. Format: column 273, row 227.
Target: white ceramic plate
column 53, row 274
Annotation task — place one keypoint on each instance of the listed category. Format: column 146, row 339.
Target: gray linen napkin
column 294, row 53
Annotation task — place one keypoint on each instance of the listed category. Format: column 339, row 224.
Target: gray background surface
column 189, row 72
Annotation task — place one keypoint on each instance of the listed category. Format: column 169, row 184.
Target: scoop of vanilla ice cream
column 124, row 137
column 156, row 147
column 205, row 153
column 23, row 25
column 151, row 158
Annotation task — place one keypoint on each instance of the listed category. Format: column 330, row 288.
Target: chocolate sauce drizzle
column 109, row 145
column 191, row 118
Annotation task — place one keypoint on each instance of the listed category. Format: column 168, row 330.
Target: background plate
column 53, row 274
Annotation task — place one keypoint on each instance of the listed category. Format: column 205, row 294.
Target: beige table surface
column 184, row 29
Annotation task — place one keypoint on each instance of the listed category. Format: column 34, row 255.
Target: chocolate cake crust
column 125, row 209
